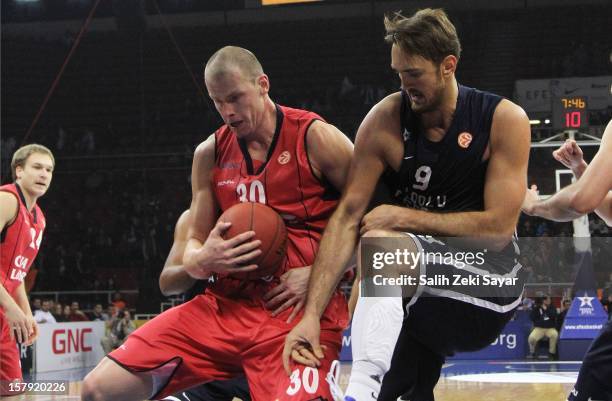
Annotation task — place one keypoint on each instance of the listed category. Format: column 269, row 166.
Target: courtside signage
column 68, row 345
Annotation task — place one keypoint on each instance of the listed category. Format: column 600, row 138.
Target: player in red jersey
column 295, row 163
column 21, row 224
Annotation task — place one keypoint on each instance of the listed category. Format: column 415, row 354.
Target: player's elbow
column 499, row 241
column 164, row 285
column 500, row 235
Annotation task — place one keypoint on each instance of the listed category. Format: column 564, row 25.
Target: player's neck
column 30, row 200
column 262, row 137
column 442, row 117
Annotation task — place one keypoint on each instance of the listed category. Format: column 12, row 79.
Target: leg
column 430, row 366
column 109, row 381
column 10, row 365
column 553, row 337
column 594, row 378
column 536, row 335
column 404, row 370
column 376, row 326
column 268, row 380
column 375, row 331
column 405, row 263
column 167, row 355
column 443, row 318
column 224, row 390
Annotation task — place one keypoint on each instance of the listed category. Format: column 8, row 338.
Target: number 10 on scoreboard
column 570, row 112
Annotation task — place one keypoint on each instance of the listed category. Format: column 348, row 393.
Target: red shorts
column 10, row 364
column 216, row 338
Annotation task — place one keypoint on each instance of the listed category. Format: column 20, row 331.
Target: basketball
column 269, row 229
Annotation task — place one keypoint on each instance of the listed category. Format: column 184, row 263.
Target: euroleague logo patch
column 284, row 157
column 464, row 140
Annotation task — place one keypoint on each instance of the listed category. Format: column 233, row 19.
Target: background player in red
column 22, row 224
column 295, row 163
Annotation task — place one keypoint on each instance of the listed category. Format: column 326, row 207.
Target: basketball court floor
column 460, row 381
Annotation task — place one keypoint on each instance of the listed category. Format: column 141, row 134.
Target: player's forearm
column 189, row 257
column 496, row 231
column 21, row 298
column 352, row 303
column 578, row 171
column 561, row 206
column 6, row 300
column 175, row 280
column 336, row 248
column 560, row 210
column 604, row 210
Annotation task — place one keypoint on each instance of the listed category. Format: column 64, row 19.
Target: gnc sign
column 71, row 340
column 68, row 345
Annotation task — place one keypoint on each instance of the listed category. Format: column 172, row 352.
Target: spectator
column 44, row 315
column 564, row 308
column 112, row 311
column 76, row 314
column 66, row 313
column 57, row 312
column 121, row 326
column 544, row 317
column 118, row 301
column 527, row 304
column 36, row 304
column 98, row 314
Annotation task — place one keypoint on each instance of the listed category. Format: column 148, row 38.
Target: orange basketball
column 269, row 228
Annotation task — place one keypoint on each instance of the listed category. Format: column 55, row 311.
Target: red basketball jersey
column 20, row 241
column 284, row 181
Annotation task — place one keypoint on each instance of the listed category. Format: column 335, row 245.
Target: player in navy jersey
column 21, row 225
column 591, row 193
column 455, row 162
column 288, row 159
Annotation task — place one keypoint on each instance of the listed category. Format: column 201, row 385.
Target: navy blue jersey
column 448, row 175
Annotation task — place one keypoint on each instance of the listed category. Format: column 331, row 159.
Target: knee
column 91, row 388
column 395, row 238
column 554, row 335
column 378, row 233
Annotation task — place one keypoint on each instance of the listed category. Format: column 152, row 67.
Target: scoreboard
column 570, row 112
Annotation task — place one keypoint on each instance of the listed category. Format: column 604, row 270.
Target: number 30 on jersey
column 251, row 192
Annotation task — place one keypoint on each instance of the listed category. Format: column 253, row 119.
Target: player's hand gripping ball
column 269, row 228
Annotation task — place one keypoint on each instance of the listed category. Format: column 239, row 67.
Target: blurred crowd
column 117, row 317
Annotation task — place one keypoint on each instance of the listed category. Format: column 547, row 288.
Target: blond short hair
column 232, row 57
column 21, row 156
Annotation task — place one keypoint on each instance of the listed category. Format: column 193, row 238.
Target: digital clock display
column 573, row 103
column 570, row 112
